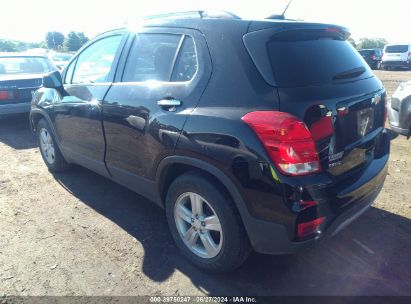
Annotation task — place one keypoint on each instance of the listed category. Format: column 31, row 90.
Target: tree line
column 53, row 40
column 58, row 42
column 75, row 40
column 368, row 43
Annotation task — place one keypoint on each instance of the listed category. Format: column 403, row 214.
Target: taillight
column 385, row 111
column 374, row 57
column 4, row 95
column 333, row 30
column 287, row 141
column 309, row 229
column 409, row 55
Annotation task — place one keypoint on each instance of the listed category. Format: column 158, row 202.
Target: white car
column 397, row 55
column 60, row 59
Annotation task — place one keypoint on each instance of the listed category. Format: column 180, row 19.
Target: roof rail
column 195, row 14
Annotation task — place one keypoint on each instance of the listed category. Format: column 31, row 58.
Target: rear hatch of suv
column 396, row 53
column 369, row 55
column 324, row 82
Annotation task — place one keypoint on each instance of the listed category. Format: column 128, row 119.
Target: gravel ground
column 80, row 234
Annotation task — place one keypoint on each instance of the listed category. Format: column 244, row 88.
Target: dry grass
column 392, row 79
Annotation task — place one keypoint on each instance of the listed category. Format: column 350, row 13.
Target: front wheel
column 205, row 224
column 49, row 150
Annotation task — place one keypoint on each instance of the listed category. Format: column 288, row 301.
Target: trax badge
column 335, row 159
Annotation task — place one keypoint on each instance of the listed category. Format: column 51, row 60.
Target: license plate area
column 365, row 121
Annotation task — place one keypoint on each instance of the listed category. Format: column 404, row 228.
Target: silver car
column 399, row 110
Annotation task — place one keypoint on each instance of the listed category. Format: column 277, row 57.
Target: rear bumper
column 404, row 64
column 342, row 204
column 372, row 188
column 16, row 108
column 399, row 118
column 399, row 130
column 373, row 63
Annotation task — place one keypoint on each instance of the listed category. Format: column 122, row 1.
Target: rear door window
column 161, row 57
column 312, row 61
column 396, row 49
column 152, row 57
column 187, row 62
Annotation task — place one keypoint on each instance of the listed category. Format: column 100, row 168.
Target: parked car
column 373, row 57
column 38, row 52
column 20, row 76
column 397, row 56
column 60, row 59
column 244, row 145
column 399, row 110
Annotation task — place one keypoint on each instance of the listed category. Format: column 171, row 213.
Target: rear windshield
column 313, row 61
column 366, row 52
column 25, row 65
column 396, row 49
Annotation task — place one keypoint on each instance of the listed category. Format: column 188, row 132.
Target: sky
column 29, row 20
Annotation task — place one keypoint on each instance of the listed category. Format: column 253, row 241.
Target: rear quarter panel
column 215, row 133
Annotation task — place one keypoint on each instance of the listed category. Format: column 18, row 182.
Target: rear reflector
column 306, row 204
column 287, row 141
column 309, row 229
column 322, row 128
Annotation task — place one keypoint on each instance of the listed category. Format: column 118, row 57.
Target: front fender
column 38, row 113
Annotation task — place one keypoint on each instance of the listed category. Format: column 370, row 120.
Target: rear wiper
column 350, row 73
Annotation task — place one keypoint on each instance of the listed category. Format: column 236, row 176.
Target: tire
column 230, row 246
column 378, row 66
column 49, row 150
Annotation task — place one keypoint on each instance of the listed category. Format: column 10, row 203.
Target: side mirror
column 53, row 81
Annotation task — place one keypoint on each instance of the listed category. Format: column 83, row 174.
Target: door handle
column 169, row 103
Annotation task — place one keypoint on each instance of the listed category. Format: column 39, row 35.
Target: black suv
column 264, row 135
column 373, row 57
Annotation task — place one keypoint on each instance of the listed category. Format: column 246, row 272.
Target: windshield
column 315, row 61
column 25, row 65
column 396, row 49
column 62, row 57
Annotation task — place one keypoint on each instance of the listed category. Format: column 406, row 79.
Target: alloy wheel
column 47, row 146
column 198, row 225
